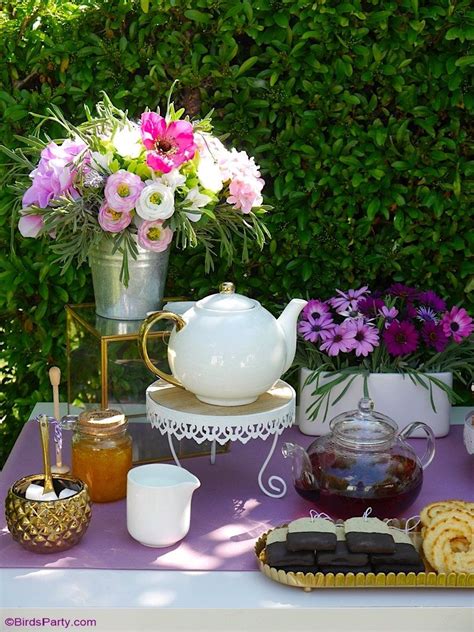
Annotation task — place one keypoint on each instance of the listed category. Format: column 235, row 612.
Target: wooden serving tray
column 309, row 581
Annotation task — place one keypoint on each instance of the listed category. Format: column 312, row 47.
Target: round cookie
column 428, row 513
column 446, row 536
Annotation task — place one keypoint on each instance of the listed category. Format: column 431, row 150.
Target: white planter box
column 394, row 395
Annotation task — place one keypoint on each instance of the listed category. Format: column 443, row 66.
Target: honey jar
column 102, row 453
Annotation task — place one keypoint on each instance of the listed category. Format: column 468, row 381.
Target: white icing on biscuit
column 340, row 532
column 400, row 537
column 366, row 525
column 277, row 535
column 319, row 525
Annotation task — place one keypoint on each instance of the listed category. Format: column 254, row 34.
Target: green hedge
column 357, row 112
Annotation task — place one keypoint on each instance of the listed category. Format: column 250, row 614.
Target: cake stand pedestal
column 178, row 414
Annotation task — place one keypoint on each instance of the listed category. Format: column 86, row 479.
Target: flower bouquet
column 144, row 182
column 358, row 333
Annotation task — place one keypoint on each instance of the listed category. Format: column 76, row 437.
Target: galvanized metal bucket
column 145, row 289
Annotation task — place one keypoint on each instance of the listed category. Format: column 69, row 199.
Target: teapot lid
column 363, row 426
column 227, row 300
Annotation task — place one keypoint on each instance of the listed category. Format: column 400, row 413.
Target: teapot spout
column 300, row 465
column 287, row 322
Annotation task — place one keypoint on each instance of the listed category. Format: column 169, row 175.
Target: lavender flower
column 426, row 314
column 314, row 329
column 348, row 300
column 315, row 309
column 366, row 337
column 389, row 313
column 339, row 338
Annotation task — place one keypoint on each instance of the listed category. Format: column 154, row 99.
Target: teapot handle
column 428, row 456
column 145, row 327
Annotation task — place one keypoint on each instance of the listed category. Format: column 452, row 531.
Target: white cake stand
column 178, row 414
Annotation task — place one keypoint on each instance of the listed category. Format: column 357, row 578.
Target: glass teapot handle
column 428, row 456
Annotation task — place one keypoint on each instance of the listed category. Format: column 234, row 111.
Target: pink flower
column 237, row 164
column 348, row 300
column 245, row 193
column 122, row 190
column 457, row 323
column 340, row 338
column 401, row 338
column 30, row 225
column 168, row 144
column 54, row 175
column 153, row 236
column 366, row 337
column 111, row 220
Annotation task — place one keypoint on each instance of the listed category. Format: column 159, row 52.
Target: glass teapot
column 363, row 462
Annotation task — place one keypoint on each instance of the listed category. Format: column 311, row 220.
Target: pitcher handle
column 428, row 456
column 145, row 327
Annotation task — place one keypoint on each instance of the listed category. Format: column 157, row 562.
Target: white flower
column 209, row 174
column 156, row 201
column 128, row 141
column 193, row 202
column 173, row 179
column 211, row 153
column 100, row 161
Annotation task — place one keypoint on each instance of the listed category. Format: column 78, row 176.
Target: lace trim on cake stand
column 221, row 433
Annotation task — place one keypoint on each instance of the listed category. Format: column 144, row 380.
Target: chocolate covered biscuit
column 311, row 534
column 278, row 555
column 368, row 535
column 405, row 552
column 341, row 556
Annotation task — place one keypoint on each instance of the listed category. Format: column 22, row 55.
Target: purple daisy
column 401, row 338
column 314, row 329
column 457, row 323
column 315, row 309
column 370, row 306
column 431, row 299
column 426, row 314
column 403, row 291
column 434, row 336
column 347, row 300
column 365, row 339
column 340, row 338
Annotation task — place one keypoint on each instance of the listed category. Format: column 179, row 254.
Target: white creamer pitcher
column 159, row 503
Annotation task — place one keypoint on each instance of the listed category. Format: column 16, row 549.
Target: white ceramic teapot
column 227, row 349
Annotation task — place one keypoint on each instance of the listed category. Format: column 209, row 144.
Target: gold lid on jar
column 101, row 422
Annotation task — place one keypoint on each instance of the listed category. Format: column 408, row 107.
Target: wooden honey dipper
column 55, row 379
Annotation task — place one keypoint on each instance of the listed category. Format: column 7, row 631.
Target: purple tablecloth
column 228, row 512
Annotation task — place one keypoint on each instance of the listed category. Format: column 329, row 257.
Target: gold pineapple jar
column 48, row 526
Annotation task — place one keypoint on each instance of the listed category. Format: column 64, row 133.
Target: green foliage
column 357, row 112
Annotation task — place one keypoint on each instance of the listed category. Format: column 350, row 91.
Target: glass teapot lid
column 363, row 426
column 227, row 300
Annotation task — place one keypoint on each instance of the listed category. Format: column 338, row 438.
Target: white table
column 207, row 601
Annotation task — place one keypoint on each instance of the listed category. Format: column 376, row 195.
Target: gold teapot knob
column 227, row 288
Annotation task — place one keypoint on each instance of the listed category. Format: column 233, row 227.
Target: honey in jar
column 102, row 454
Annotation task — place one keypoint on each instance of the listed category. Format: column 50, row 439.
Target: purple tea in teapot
column 363, row 462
